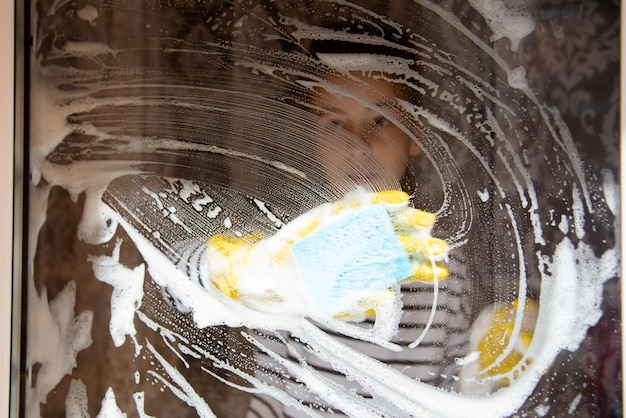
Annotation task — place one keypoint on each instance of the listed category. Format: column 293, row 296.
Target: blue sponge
column 356, row 255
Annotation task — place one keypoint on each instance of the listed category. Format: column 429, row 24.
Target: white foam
column 109, row 407
column 139, row 398
column 127, row 292
column 76, row 400
column 507, row 19
column 571, row 293
column 55, row 336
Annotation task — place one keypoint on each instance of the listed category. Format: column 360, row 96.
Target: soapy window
column 311, row 208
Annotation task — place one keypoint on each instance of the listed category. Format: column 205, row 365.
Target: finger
column 424, row 248
column 225, row 254
column 427, row 273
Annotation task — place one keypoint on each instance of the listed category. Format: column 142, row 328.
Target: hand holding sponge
column 340, row 259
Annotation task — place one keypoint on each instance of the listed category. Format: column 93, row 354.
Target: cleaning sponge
column 353, row 257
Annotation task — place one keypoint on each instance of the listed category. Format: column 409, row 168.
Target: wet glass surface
column 158, row 127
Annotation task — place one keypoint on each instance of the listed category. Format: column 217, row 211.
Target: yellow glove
column 339, row 259
column 501, row 348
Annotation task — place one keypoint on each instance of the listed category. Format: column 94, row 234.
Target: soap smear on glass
column 198, row 243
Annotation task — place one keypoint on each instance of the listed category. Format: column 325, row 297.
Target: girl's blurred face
column 351, row 164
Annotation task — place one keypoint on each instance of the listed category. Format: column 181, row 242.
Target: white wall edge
column 7, row 42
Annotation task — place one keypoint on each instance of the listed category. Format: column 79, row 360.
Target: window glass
column 312, row 208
